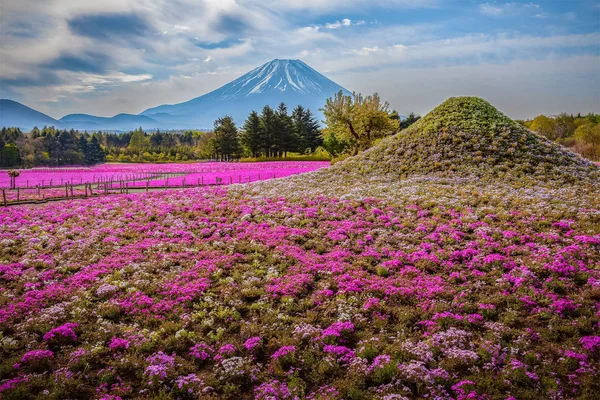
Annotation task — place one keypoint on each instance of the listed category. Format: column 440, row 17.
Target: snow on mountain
column 290, row 81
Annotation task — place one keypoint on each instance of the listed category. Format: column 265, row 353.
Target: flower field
column 156, row 174
column 335, row 284
column 53, row 183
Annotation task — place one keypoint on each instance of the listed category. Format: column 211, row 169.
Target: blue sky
column 109, row 56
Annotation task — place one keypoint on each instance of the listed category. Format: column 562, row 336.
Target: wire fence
column 135, row 184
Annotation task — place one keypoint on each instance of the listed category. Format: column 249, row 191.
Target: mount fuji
column 290, row 81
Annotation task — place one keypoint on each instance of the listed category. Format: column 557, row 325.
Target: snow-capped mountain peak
column 282, row 76
column 290, row 81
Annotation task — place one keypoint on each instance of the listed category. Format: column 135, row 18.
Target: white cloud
column 510, row 8
column 489, row 9
column 472, row 48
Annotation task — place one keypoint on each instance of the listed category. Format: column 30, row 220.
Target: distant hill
column 289, row 81
column 120, row 122
column 14, row 114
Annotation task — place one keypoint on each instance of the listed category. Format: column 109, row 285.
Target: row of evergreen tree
column 48, row 146
column 272, row 133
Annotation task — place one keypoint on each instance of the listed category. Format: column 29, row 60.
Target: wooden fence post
column 4, row 197
column 18, row 194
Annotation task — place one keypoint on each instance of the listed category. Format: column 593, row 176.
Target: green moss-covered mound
column 468, row 136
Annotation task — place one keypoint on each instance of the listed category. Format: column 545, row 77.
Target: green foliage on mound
column 468, row 136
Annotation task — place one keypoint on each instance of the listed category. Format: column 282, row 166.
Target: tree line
column 580, row 133
column 272, row 133
column 48, row 146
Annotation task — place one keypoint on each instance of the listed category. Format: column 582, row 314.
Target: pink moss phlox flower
column 379, row 362
column 273, row 390
column 65, row 331
column 160, row 363
column 590, row 343
column 342, row 353
column 201, row 351
column 225, row 351
column 36, row 355
column 337, row 328
column 252, row 342
column 118, row 343
column 371, row 302
column 283, row 351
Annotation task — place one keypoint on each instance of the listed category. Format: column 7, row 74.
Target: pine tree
column 95, row 154
column 251, row 134
column 285, row 139
column 82, row 145
column 226, row 142
column 156, row 139
column 268, row 124
column 306, row 129
column 411, row 119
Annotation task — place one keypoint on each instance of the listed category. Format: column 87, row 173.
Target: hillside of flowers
column 468, row 136
column 335, row 284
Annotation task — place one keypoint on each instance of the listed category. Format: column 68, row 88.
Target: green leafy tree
column 138, row 140
column 587, row 140
column 334, row 146
column 10, row 155
column 564, row 126
column 359, row 119
column 544, row 126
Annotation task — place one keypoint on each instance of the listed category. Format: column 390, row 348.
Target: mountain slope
column 14, row 114
column 121, row 122
column 289, row 81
